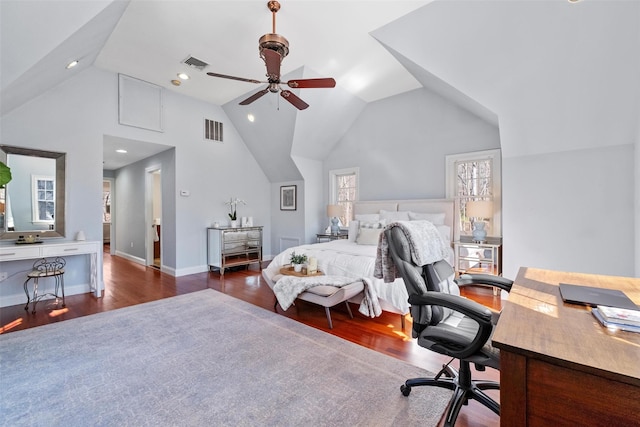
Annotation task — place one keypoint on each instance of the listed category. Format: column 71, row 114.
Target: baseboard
column 21, row 298
column 132, row 258
column 190, row 270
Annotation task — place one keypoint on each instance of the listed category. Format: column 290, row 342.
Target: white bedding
column 344, row 258
column 347, row 258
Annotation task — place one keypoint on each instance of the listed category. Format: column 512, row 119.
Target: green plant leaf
column 5, row 174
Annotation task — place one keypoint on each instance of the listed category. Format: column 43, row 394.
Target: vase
column 297, row 268
column 234, row 223
column 479, row 233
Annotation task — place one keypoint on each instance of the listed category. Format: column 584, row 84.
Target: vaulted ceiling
column 526, row 64
column 150, row 40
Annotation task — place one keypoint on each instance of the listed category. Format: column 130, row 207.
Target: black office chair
column 449, row 324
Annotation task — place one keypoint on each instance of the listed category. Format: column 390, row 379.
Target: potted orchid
column 233, row 213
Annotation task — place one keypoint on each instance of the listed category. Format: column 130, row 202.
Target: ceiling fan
column 273, row 48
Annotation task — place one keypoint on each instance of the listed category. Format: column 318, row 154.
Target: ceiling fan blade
column 272, row 59
column 255, row 96
column 310, row 83
column 294, row 100
column 242, row 79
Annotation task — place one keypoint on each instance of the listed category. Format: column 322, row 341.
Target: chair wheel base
column 405, row 389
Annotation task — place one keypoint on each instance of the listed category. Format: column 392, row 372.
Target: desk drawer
column 14, row 252
column 561, row 396
column 62, row 250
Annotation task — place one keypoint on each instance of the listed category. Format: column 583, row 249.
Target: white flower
column 233, row 203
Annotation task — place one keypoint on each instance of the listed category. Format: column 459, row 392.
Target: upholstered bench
column 328, row 296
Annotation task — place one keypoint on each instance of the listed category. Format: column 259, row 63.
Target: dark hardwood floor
column 127, row 283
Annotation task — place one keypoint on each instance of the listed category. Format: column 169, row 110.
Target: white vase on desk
column 234, row 223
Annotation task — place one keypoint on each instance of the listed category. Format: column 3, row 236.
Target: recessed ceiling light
column 176, row 82
column 183, row 76
column 72, row 64
column 121, row 151
column 251, row 117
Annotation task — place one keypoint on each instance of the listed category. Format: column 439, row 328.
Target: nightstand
column 325, row 237
column 473, row 257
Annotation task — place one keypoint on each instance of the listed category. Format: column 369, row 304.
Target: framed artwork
column 288, row 198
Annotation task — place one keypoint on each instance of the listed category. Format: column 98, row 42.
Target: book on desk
column 617, row 318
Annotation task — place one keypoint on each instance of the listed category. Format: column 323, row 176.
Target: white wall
column 287, row 227
column 400, row 144
column 314, row 209
column 74, row 117
column 570, row 211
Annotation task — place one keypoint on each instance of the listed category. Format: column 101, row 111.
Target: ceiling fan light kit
column 274, row 42
column 273, row 49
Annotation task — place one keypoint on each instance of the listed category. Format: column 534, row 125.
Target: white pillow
column 368, row 217
column 369, row 236
column 434, row 218
column 354, row 225
column 445, row 232
column 391, row 216
column 368, row 232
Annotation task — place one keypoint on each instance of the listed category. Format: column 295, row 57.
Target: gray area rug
column 202, row 359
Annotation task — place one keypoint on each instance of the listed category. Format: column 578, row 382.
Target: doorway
column 108, row 204
column 153, row 216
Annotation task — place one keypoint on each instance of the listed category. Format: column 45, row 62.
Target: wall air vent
column 195, row 63
column 213, row 130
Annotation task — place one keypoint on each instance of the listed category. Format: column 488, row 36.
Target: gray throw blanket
column 425, row 242
column 287, row 289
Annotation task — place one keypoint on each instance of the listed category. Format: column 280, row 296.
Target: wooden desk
column 558, row 365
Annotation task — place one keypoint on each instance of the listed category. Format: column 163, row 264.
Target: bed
column 355, row 256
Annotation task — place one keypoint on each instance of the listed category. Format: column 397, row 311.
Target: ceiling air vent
column 212, row 130
column 195, row 63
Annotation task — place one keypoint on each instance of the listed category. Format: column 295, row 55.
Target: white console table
column 62, row 249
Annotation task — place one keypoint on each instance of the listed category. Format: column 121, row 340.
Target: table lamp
column 480, row 210
column 333, row 212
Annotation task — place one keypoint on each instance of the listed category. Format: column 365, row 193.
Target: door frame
column 112, row 227
column 150, row 171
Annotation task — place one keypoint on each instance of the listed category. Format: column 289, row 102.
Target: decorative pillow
column 434, row 218
column 368, row 236
column 372, row 224
column 368, row 217
column 391, row 216
column 369, row 232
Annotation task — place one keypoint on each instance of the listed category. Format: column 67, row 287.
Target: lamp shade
column 480, row 209
column 334, row 210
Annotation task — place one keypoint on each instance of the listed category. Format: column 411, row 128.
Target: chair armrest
column 459, row 348
column 485, row 279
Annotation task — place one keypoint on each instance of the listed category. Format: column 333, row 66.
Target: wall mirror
column 33, row 202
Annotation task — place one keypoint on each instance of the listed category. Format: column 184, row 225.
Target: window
column 44, row 198
column 343, row 184
column 475, row 176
